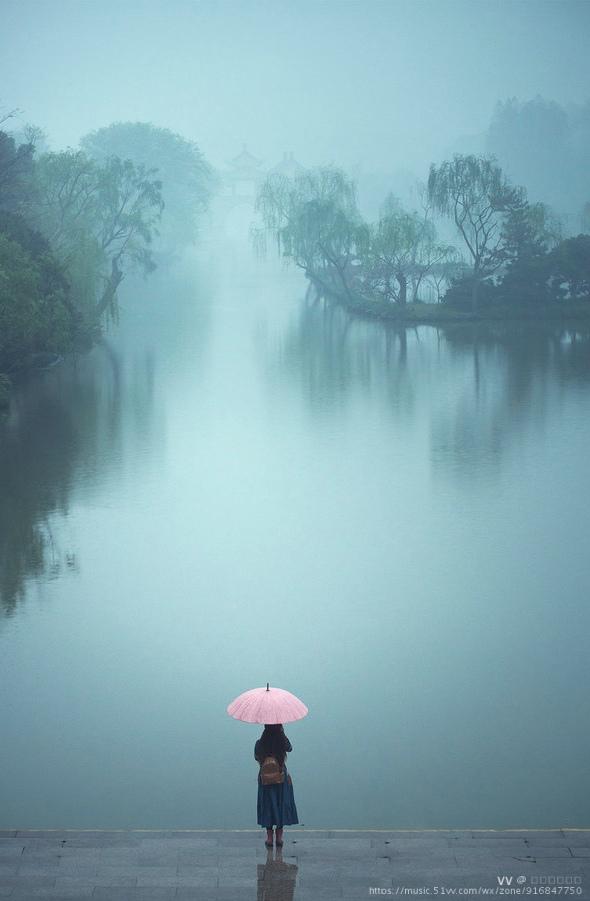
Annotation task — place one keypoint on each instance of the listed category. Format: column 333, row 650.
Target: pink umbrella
column 267, row 705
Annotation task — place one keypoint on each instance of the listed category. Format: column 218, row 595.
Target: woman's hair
column 273, row 741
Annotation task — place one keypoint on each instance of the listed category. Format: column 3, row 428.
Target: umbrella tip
column 267, row 688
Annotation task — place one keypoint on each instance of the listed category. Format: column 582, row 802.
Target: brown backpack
column 271, row 772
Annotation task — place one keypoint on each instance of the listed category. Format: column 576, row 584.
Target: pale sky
column 373, row 84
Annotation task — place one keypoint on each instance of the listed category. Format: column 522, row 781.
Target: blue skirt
column 276, row 804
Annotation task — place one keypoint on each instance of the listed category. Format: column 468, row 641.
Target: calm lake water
column 237, row 488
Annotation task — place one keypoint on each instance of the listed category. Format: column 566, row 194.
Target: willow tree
column 474, row 192
column 316, row 224
column 100, row 219
column 401, row 251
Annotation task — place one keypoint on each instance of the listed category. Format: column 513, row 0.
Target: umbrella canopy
column 267, row 705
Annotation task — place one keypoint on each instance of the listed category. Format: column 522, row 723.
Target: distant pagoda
column 244, row 174
column 289, row 166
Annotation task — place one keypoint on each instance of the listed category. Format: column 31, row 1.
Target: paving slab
column 143, row 893
column 7, row 852
column 323, row 864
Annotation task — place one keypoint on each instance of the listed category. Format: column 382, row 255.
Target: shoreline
column 440, row 314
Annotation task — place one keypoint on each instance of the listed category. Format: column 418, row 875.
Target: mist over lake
column 295, row 388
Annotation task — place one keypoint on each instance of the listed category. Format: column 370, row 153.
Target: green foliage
column 535, row 275
column 322, row 228
column 517, row 253
column 401, row 251
column 67, row 184
column 129, row 207
column 101, row 219
column 474, row 192
column 569, row 269
column 315, row 222
column 72, row 224
column 86, row 264
column 16, row 170
column 459, row 294
column 35, row 310
column 529, row 231
column 275, row 202
column 187, row 179
column 34, row 314
column 19, row 297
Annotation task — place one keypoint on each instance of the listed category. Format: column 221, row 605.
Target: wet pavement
column 313, row 865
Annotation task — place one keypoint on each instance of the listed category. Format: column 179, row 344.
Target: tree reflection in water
column 479, row 385
column 512, row 376
column 67, row 428
column 332, row 356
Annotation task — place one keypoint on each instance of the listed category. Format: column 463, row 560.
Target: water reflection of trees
column 332, row 355
column 67, row 426
column 514, row 372
column 479, row 384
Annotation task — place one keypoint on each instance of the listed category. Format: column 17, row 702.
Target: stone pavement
column 314, row 865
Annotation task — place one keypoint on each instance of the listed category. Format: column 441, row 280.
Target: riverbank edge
column 42, row 361
column 420, row 313
column 430, row 314
column 409, row 316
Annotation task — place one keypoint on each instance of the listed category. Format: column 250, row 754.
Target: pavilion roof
column 245, row 160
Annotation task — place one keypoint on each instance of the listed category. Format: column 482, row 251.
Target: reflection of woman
column 276, row 803
column 276, row 879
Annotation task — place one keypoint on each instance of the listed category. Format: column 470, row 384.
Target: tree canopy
column 100, row 218
column 186, row 177
column 401, row 251
column 474, row 192
column 73, row 223
column 35, row 311
column 69, row 230
column 316, row 222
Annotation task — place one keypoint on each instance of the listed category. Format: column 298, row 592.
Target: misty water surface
column 237, row 487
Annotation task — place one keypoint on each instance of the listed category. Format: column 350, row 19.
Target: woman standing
column 276, row 801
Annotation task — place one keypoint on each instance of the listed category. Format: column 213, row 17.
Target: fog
column 367, row 85
column 354, row 467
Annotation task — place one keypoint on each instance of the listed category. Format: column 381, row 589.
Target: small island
column 513, row 260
